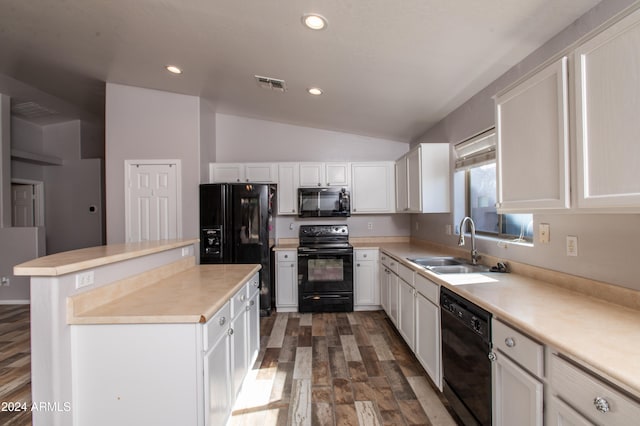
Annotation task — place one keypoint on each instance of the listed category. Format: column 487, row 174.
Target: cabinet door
column 366, row 286
column 288, row 183
column 239, row 351
column 517, row 395
column 261, row 172
column 607, row 125
column 393, row 301
column 312, row 174
column 560, row 414
column 372, row 188
column 287, row 280
column 533, row 143
column 414, row 185
column 383, row 273
column 406, row 314
column 217, row 382
column 338, row 174
column 427, row 348
column 226, row 172
column 402, row 190
column 253, row 327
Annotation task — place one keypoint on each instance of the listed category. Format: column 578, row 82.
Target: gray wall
column 5, row 161
column 150, row 124
column 605, row 242
column 18, row 245
column 207, row 138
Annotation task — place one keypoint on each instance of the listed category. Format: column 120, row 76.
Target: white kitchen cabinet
column 253, row 324
column 393, row 301
column 516, row 377
column 607, row 92
column 589, row 395
column 288, row 183
column 243, row 172
column 366, row 283
column 425, row 173
column 533, row 143
column 560, row 414
column 427, row 345
column 407, row 312
column 239, row 348
column 217, row 380
column 384, row 282
column 325, row 174
column 372, row 187
column 287, row 281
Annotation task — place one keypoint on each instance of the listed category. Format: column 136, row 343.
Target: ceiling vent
column 271, row 83
column 32, row 110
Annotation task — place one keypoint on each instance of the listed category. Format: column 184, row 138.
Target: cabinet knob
column 230, row 332
column 510, row 342
column 243, row 297
column 601, row 404
column 358, row 265
column 238, row 180
column 223, row 320
column 253, row 302
column 247, row 308
column 247, row 180
column 286, row 256
column 492, row 356
column 319, row 184
column 293, row 265
column 293, row 210
column 364, row 255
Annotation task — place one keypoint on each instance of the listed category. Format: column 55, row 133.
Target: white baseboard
column 15, row 302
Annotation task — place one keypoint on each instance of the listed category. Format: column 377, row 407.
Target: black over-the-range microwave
column 323, row 202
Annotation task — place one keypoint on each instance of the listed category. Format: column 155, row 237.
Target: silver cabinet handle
column 230, row 332
column 223, row 320
column 601, row 404
column 492, row 356
column 510, row 342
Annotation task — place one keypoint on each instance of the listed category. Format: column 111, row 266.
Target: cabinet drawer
column 590, row 396
column 392, row 265
column 520, row 348
column 406, row 274
column 287, row 256
column 217, row 326
column 239, row 301
column 253, row 285
column 427, row 288
column 366, row 254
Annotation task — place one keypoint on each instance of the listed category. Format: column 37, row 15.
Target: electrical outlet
column 369, row 225
column 185, row 251
column 447, row 229
column 543, row 233
column 84, row 279
column 5, row 282
column 572, row 245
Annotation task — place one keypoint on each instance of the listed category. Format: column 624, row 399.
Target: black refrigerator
column 235, row 221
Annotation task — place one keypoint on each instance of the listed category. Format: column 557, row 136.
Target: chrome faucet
column 474, row 253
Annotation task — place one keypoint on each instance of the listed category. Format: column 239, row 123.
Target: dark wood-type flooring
column 313, row 369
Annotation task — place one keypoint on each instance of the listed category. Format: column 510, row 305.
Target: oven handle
column 325, row 254
column 325, row 296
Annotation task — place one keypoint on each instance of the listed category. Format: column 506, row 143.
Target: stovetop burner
column 328, row 236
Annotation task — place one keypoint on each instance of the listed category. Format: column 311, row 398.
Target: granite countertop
column 602, row 335
column 77, row 260
column 191, row 296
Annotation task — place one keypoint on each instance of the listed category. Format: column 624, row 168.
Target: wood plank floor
column 336, row 369
column 15, row 363
column 313, row 369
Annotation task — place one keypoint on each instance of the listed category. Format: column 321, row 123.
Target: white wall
column 18, row 245
column 207, row 138
column 150, row 124
column 605, row 242
column 240, row 139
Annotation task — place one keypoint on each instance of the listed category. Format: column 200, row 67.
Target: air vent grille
column 271, row 83
column 32, row 110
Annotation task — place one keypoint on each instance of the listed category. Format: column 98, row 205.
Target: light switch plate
column 572, row 245
column 543, row 233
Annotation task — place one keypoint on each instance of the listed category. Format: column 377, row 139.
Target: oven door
column 325, row 271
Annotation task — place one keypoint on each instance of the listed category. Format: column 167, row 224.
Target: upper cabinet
column 607, row 88
column 324, row 174
column 423, row 179
column 288, row 183
column 533, row 143
column 243, row 172
column 372, row 187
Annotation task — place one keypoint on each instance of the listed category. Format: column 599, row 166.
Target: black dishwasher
column 466, row 344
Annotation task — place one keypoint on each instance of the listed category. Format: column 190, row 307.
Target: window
column 475, row 191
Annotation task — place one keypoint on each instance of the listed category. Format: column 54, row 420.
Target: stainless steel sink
column 459, row 269
column 427, row 262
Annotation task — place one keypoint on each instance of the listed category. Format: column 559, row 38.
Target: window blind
column 476, row 150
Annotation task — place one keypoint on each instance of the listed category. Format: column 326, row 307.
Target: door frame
column 127, row 177
column 38, row 201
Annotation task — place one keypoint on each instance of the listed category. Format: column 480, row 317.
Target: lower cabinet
column 406, row 312
column 517, row 371
column 366, row 286
column 165, row 374
column 393, row 300
column 560, row 414
column 427, row 346
column 287, row 281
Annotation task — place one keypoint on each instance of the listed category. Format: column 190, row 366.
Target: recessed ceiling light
column 173, row 69
column 315, row 91
column 314, row 21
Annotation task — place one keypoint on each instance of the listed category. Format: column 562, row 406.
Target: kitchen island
column 124, row 331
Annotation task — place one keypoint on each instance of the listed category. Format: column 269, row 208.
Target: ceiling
column 388, row 69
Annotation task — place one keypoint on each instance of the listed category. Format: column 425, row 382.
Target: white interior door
column 23, row 205
column 152, row 202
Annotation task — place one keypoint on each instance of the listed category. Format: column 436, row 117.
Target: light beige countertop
column 77, row 260
column 193, row 295
column 603, row 335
